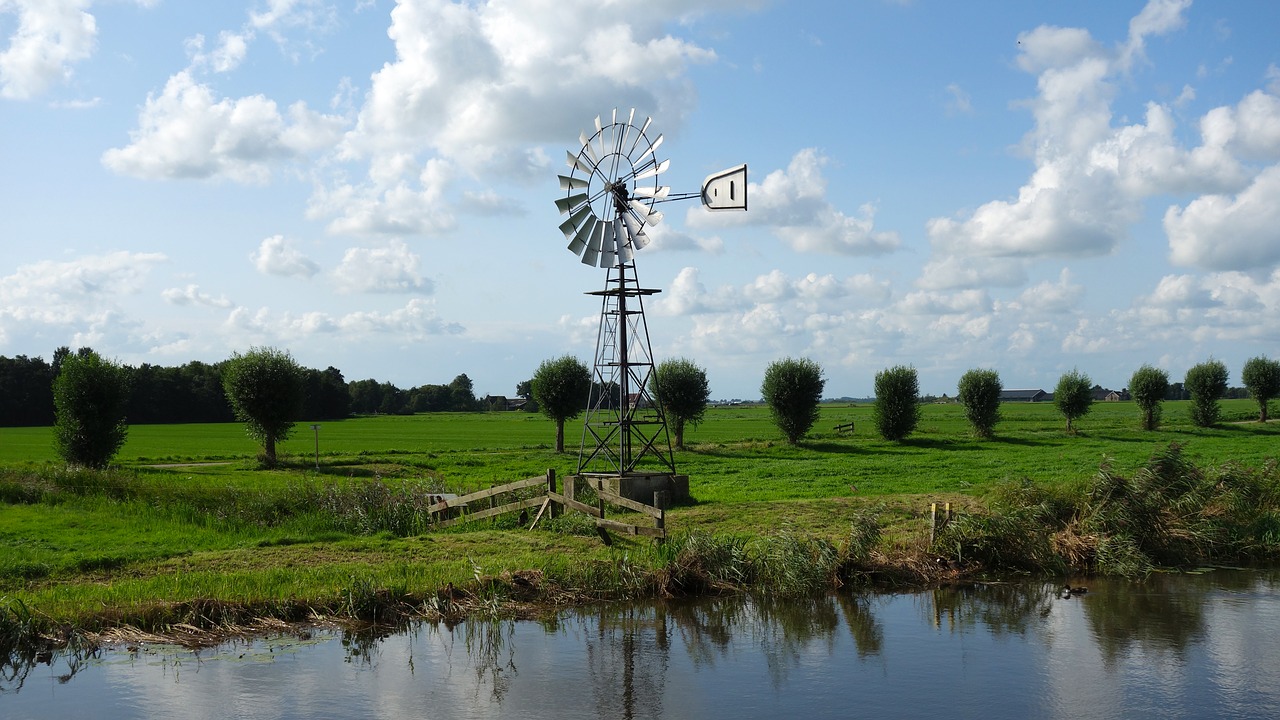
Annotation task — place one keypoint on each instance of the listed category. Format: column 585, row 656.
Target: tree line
column 193, row 393
column 792, row 389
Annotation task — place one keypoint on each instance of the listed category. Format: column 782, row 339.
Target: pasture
column 735, row 455
column 188, row 516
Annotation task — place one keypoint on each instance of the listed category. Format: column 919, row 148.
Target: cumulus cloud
column 187, row 132
column 390, row 269
column 1092, row 178
column 1218, row 232
column 50, row 37
column 475, row 85
column 79, row 297
column 793, row 204
column 1053, row 297
column 193, row 295
column 417, row 320
column 277, row 255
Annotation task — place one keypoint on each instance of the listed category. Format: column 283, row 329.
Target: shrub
column 793, row 389
column 1073, row 397
column 1148, row 387
column 896, row 412
column 1206, row 382
column 90, row 395
column 979, row 393
column 1262, row 377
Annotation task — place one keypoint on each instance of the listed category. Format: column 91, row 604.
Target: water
column 1171, row 647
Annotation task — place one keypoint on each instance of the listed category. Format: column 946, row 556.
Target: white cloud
column 955, row 272
column 1217, row 232
column 50, row 37
column 958, row 102
column 227, row 56
column 185, row 132
column 277, row 255
column 390, row 269
column 475, row 85
column 192, row 295
column 1052, row 297
column 77, row 299
column 417, row 320
column 392, row 203
column 1091, row 179
column 794, row 205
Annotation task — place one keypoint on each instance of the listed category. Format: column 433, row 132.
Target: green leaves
column 682, row 389
column 793, row 388
column 1206, row 382
column 1073, row 397
column 979, row 393
column 264, row 387
column 897, row 409
column 90, row 395
column 560, row 387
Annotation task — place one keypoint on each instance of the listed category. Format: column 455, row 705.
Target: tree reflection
column 1163, row 614
column 1001, row 608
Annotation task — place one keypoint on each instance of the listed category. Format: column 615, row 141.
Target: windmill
column 610, row 196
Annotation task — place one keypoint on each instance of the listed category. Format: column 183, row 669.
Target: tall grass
column 1169, row 513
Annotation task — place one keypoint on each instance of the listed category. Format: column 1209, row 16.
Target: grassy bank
column 222, row 544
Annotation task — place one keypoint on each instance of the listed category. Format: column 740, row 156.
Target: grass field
column 735, row 455
column 190, row 517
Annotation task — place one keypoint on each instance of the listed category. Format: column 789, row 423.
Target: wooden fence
column 469, row 507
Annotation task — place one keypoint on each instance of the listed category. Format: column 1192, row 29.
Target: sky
column 370, row 185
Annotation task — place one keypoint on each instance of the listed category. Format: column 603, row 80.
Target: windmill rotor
column 610, row 191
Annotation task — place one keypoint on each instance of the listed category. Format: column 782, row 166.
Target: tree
column 1073, row 397
column 896, row 412
column 1148, row 386
column 26, row 391
column 462, row 395
column 979, row 393
column 793, row 389
column 560, row 387
column 1262, row 378
column 682, row 391
column 325, row 394
column 265, row 389
column 90, row 396
column 1206, row 382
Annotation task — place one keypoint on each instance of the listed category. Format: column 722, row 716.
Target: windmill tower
column 610, row 196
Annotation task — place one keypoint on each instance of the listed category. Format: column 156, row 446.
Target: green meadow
column 188, row 518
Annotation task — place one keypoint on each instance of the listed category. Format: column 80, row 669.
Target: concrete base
column 633, row 486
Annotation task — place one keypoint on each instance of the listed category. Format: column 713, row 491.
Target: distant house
column 1036, row 395
column 502, row 402
column 1107, row 395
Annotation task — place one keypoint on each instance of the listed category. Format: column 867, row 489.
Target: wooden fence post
column 660, row 522
column 551, row 487
column 933, row 522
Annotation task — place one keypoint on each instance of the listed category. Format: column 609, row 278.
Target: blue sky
column 369, row 184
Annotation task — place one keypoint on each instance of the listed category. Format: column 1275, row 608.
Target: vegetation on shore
column 342, row 534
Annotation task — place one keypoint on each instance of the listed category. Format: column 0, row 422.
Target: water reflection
column 1177, row 645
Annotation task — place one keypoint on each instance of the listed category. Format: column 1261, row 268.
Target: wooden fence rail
column 546, row 501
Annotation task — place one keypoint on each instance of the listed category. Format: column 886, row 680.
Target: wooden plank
column 546, row 503
column 628, row 503
column 482, row 494
column 631, row 529
column 574, row 504
column 491, row 512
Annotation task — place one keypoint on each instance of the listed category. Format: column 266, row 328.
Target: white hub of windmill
column 613, row 186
